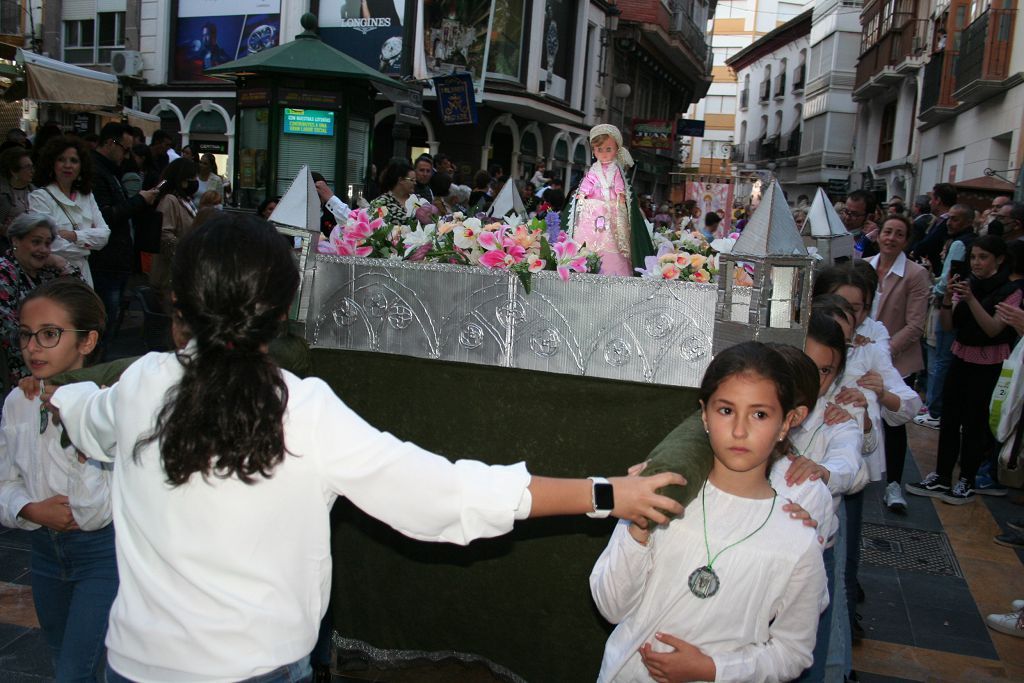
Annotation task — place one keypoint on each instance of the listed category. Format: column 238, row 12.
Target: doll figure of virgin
column 603, row 212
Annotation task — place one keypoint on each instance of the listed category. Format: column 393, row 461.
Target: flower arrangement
column 688, row 258
column 508, row 244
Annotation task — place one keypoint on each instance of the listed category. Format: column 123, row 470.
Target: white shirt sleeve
column 812, row 496
column 87, row 413
column 620, row 574
column 338, row 209
column 94, row 236
column 13, row 492
column 842, row 455
column 956, row 252
column 791, row 634
column 419, row 494
column 910, row 401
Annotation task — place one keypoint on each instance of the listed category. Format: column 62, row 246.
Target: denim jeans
column 296, row 672
column 74, row 581
column 938, row 365
column 109, row 287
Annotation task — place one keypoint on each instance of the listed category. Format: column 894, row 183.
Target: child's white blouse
column 761, row 624
column 34, row 467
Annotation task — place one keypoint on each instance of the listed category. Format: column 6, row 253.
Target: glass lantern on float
column 824, row 230
column 764, row 283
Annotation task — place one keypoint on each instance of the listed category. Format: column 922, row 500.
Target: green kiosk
column 302, row 103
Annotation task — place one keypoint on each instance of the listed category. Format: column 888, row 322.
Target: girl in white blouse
column 221, row 506
column 47, row 489
column 732, row 590
column 64, row 178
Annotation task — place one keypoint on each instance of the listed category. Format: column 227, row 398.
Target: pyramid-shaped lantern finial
column 764, row 283
column 300, row 205
column 824, row 230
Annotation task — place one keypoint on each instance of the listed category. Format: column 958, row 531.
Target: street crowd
column 220, row 565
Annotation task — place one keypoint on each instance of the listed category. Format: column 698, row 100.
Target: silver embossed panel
column 618, row 328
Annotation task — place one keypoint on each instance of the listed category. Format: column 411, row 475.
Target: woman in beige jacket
column 177, row 210
column 901, row 304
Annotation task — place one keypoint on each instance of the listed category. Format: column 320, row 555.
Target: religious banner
column 209, row 34
column 455, row 101
column 652, row 134
column 368, row 30
column 711, row 194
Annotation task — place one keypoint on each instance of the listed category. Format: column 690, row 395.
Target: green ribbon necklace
column 704, row 581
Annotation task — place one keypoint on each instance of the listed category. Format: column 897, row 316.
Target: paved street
column 930, row 578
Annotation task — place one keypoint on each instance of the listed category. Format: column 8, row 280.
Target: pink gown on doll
column 602, row 218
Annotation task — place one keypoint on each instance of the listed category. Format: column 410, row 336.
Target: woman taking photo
column 175, row 205
column 64, row 178
column 222, row 507
column 26, row 265
column 15, row 185
column 901, row 304
column 982, row 341
column 397, row 182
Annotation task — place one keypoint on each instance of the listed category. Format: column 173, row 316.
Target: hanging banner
column 652, row 134
column 368, row 30
column 209, row 34
column 712, row 196
column 455, row 100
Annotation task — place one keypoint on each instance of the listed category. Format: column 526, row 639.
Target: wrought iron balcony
column 765, row 92
column 798, row 78
column 744, row 98
column 983, row 67
column 780, row 86
column 896, row 54
column 937, row 103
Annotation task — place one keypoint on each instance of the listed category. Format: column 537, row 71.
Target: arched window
column 743, row 132
column 745, row 93
column 800, row 75
column 777, row 127
column 780, row 80
column 766, row 84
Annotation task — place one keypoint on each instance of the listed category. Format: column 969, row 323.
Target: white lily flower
column 723, row 245
column 418, row 237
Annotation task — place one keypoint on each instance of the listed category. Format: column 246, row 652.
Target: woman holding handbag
column 177, row 210
column 64, row 176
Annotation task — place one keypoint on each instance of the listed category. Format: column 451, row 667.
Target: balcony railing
column 984, row 60
column 906, row 40
column 780, row 85
column 744, row 98
column 798, row 78
column 765, row 91
column 937, row 88
column 739, row 153
column 789, row 146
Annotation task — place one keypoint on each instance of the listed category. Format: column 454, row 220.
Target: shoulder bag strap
column 74, row 226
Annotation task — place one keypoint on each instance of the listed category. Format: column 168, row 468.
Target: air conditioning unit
column 127, row 63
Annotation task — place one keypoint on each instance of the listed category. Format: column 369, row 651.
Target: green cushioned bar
column 523, row 600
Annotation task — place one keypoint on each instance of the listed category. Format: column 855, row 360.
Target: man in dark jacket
column 112, row 265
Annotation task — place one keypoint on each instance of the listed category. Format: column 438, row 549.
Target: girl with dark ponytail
column 230, row 467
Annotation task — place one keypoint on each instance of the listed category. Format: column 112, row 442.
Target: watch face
column 603, row 497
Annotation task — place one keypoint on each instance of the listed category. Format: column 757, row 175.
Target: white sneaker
column 1011, row 624
column 927, row 420
column 894, row 499
column 1017, row 605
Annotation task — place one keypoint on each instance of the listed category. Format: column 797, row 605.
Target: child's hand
column 835, row 415
column 861, row 340
column 872, row 381
column 796, row 511
column 685, row 663
column 803, row 469
column 852, row 396
column 636, row 498
column 636, row 469
column 52, row 513
column 30, row 386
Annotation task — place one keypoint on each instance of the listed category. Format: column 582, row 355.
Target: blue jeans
column 938, row 365
column 74, row 581
column 296, row 672
column 109, row 287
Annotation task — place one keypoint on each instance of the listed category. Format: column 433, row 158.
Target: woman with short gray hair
column 25, row 266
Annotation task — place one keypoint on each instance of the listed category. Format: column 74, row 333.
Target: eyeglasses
column 46, row 337
column 121, row 145
column 852, row 214
column 26, row 167
column 411, row 180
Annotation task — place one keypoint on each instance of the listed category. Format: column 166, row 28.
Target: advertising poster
column 213, row 32
column 652, row 134
column 309, row 122
column 712, row 196
column 367, row 30
column 455, row 36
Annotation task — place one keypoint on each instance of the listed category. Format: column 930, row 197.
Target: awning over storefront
column 149, row 123
column 72, row 87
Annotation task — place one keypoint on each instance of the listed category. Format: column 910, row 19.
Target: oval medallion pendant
column 703, row 582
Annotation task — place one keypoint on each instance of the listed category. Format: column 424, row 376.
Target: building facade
column 772, row 73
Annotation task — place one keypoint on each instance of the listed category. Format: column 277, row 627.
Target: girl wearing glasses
column 46, row 488
column 27, row 264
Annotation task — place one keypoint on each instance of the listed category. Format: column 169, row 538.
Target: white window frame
column 101, row 54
